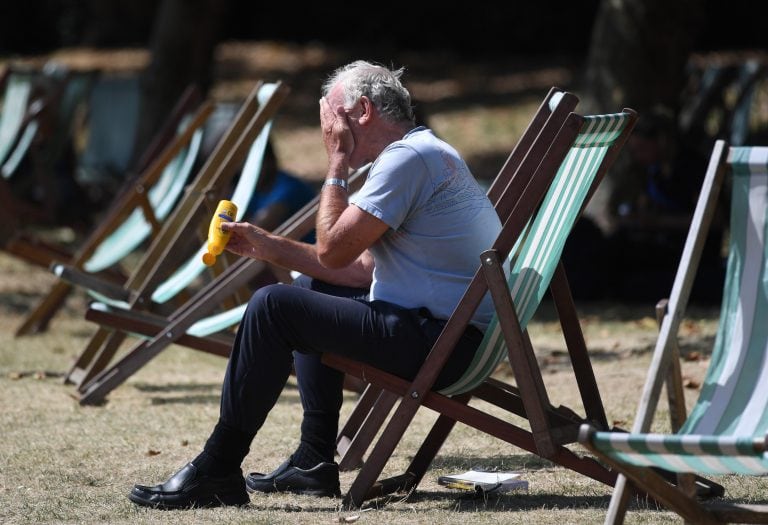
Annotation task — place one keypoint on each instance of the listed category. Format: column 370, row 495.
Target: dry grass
column 62, row 463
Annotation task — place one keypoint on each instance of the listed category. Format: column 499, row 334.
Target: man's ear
column 368, row 110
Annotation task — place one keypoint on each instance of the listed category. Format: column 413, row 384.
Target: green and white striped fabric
column 732, row 410
column 162, row 196
column 14, row 108
column 246, row 185
column 536, row 254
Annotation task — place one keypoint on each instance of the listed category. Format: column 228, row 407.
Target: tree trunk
column 184, row 37
column 637, row 59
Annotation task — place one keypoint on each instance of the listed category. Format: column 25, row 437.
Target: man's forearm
column 334, row 199
column 302, row 257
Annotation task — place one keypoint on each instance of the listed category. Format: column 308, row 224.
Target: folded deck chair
column 557, row 179
column 134, row 216
column 195, row 322
column 161, row 273
column 725, row 432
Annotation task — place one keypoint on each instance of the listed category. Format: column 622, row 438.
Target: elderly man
column 388, row 267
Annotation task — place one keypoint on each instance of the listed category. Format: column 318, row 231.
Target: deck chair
column 20, row 106
column 40, row 156
column 14, row 112
column 725, row 432
column 135, row 215
column 200, row 323
column 54, row 144
column 161, row 273
column 195, row 325
column 375, row 403
column 538, row 210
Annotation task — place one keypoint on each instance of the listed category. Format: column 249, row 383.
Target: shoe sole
column 226, row 500
column 304, row 492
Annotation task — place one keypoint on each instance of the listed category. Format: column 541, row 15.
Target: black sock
column 306, row 456
column 318, row 439
column 224, row 451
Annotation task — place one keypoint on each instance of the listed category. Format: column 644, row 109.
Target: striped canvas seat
column 535, row 256
column 725, row 432
column 13, row 109
column 162, row 196
column 732, row 410
column 187, row 272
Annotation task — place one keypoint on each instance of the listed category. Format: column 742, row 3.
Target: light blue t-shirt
column 440, row 221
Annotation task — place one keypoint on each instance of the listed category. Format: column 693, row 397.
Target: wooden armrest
column 86, row 280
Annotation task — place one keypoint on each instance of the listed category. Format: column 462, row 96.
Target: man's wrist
column 334, row 181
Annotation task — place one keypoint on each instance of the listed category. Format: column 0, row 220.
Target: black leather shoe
column 320, row 480
column 188, row 488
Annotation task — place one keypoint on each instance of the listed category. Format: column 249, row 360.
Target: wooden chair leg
column 362, row 439
column 433, row 443
column 101, row 360
column 82, row 363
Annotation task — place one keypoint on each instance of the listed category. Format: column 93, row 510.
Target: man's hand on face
column 337, row 135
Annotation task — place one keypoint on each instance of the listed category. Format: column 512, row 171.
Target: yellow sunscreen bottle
column 226, row 211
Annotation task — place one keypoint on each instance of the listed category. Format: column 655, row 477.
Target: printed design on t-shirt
column 457, row 189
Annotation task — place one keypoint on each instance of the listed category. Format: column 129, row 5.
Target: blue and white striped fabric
column 241, row 195
column 13, row 110
column 536, row 254
column 162, row 196
column 246, row 185
column 732, row 410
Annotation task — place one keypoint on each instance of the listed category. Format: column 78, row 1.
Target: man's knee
column 267, row 296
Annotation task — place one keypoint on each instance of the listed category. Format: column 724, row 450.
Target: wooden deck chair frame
column 665, row 370
column 551, row 428
column 164, row 331
column 181, row 228
column 135, row 196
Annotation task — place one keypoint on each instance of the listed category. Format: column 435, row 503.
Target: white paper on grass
column 485, row 481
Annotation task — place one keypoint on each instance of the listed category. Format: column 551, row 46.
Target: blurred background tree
column 182, row 44
column 688, row 67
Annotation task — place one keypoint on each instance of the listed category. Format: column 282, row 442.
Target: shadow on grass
column 176, row 387
column 17, row 302
column 201, row 393
column 448, row 500
column 510, row 501
column 497, row 463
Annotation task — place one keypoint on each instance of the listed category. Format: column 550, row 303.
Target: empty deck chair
column 725, row 432
column 159, row 275
column 134, row 216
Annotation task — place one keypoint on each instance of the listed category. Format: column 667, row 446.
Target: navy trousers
column 292, row 325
